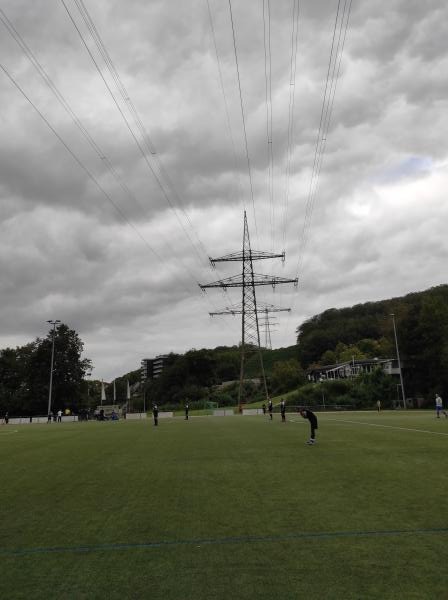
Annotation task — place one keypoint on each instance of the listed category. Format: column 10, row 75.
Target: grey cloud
column 66, row 253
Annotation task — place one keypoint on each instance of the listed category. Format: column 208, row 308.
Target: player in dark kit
column 270, row 409
column 307, row 414
column 155, row 414
column 187, row 408
column 283, row 411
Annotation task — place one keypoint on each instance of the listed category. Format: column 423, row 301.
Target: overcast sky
column 110, row 231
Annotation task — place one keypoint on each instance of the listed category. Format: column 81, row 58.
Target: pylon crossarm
column 237, row 281
column 250, row 255
column 237, row 310
column 270, row 280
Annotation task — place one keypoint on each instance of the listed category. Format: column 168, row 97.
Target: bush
column 223, row 399
column 361, row 392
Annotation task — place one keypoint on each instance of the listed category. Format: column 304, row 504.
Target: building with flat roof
column 152, row 367
column 353, row 368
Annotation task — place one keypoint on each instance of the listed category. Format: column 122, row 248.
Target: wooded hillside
column 366, row 331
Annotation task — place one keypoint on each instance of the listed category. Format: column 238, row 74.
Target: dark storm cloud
column 126, row 276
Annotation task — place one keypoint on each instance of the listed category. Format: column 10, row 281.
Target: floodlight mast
column 403, row 395
column 248, row 280
column 54, row 323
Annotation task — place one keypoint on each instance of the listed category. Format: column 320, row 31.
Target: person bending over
column 308, row 414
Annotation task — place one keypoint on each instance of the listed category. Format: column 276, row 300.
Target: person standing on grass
column 283, row 410
column 308, row 414
column 270, row 409
column 59, row 416
column 155, row 414
column 6, row 419
column 50, row 417
column 439, row 407
column 263, row 408
column 378, row 405
column 187, row 408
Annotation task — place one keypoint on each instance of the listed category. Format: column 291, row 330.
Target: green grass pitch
column 226, row 508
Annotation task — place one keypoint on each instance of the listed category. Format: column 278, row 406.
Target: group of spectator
column 55, row 417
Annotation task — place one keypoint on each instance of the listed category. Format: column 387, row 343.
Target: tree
column 328, row 358
column 366, row 331
column 424, row 344
column 370, row 387
column 68, row 372
column 286, row 376
column 351, row 353
column 25, row 373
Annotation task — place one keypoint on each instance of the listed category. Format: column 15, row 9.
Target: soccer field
column 231, row 507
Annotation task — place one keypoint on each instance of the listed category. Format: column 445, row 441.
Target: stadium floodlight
column 54, row 323
column 399, row 363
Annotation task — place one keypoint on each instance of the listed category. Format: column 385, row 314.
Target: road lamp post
column 399, row 363
column 54, row 323
column 88, row 388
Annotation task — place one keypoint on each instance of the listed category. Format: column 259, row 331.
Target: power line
column 64, row 103
column 146, row 140
column 268, row 94
column 292, row 89
column 243, row 119
column 326, row 112
column 86, row 170
column 340, row 25
column 283, row 218
column 97, row 149
column 226, row 104
column 159, row 172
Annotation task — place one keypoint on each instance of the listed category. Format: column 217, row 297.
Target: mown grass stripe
column 387, row 426
column 220, row 541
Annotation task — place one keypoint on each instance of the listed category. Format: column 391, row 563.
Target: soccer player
column 187, row 408
column 439, row 407
column 155, row 414
column 308, row 414
column 283, row 410
column 270, row 409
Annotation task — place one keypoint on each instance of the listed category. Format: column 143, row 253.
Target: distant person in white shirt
column 59, row 416
column 439, row 407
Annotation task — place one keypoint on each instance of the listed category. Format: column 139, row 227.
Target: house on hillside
column 353, row 368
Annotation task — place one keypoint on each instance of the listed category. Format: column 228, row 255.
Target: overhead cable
column 290, row 141
column 268, row 94
column 243, row 119
column 86, row 170
column 65, row 104
column 146, row 142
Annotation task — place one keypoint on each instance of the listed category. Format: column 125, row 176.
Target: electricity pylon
column 248, row 280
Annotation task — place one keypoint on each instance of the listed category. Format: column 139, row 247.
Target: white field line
column 387, row 426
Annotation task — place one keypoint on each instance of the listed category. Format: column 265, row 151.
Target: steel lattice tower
column 248, row 280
